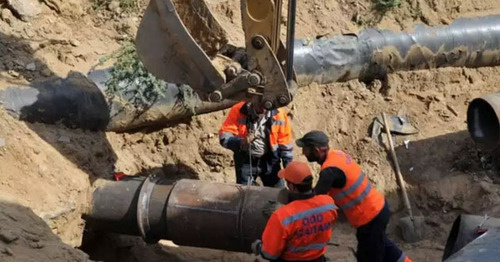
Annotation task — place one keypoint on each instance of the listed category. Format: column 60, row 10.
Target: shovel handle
column 399, row 177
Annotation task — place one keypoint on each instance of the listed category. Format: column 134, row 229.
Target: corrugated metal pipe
column 372, row 54
column 473, row 238
column 188, row 212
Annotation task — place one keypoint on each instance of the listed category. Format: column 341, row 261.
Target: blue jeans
column 258, row 168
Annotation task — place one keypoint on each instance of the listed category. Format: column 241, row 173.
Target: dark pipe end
column 450, row 248
column 483, row 121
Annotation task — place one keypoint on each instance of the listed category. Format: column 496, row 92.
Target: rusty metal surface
column 151, row 205
column 188, row 212
column 483, row 121
column 214, row 215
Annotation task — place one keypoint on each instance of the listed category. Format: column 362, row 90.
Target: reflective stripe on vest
column 359, row 199
column 309, row 212
column 279, row 122
column 288, row 146
column 226, row 135
column 267, row 255
column 318, row 246
column 340, row 196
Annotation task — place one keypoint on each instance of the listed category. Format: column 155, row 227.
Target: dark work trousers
column 373, row 243
column 244, row 172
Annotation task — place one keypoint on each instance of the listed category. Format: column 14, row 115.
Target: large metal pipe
column 373, row 53
column 484, row 249
column 465, row 229
column 188, row 212
column 471, row 42
column 78, row 101
column 483, row 121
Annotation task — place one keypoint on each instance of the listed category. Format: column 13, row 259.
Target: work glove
column 256, row 247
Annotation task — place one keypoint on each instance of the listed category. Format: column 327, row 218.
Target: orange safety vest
column 280, row 136
column 300, row 230
column 359, row 200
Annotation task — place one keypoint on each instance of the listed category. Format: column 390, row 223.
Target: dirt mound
column 26, row 237
column 51, row 168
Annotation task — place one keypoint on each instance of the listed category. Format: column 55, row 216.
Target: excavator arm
column 180, row 41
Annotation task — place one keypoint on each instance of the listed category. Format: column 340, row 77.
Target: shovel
column 411, row 226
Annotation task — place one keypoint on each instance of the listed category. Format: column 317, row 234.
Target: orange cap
column 295, row 172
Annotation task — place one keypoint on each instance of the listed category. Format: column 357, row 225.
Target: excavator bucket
column 177, row 41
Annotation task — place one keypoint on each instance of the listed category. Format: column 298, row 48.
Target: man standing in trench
column 261, row 141
column 301, row 229
column 365, row 208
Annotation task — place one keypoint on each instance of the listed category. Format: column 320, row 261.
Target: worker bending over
column 301, row 229
column 260, row 139
column 365, row 208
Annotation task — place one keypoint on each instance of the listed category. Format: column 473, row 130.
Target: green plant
column 130, row 79
column 386, row 5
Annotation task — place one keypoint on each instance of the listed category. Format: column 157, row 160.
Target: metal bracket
column 234, row 87
column 273, row 84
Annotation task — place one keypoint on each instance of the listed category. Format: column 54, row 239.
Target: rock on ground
column 25, row 9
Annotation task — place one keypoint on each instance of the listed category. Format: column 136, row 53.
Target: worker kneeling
column 300, row 230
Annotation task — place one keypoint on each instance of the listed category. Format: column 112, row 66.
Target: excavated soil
column 50, row 169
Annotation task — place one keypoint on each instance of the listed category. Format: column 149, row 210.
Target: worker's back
column 300, row 230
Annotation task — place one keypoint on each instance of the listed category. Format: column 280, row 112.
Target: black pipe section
column 471, row 42
column 466, row 229
column 483, row 249
column 483, row 121
column 74, row 101
column 188, row 212
column 78, row 101
column 373, row 53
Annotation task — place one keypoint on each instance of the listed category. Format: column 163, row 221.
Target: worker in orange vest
column 301, row 229
column 365, row 208
column 261, row 141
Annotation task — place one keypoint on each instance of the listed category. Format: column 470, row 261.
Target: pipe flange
column 143, row 209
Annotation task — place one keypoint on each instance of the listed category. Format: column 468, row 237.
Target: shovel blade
column 412, row 229
column 176, row 41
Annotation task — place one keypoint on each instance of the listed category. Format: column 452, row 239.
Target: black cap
column 313, row 139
